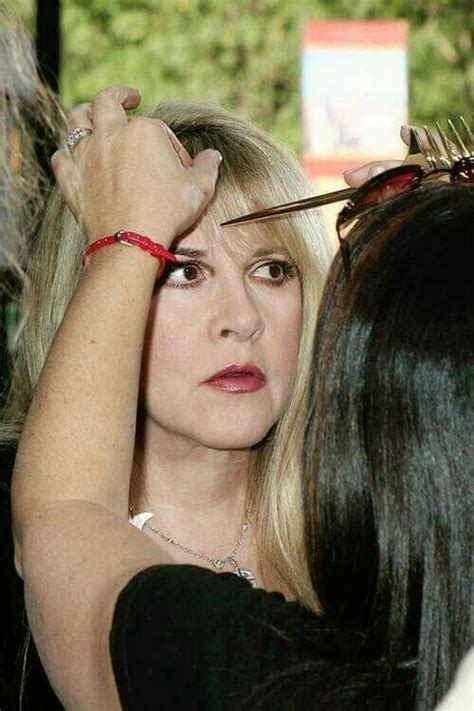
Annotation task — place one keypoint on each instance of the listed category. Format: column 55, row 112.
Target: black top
column 187, row 638
column 182, row 637
column 21, row 674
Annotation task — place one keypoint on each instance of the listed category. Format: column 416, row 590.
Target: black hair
column 388, row 450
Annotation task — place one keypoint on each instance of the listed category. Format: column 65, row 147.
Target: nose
column 236, row 314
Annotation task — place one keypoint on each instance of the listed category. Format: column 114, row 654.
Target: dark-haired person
column 116, row 624
column 390, row 457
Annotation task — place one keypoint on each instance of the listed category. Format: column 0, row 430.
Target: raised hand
column 132, row 173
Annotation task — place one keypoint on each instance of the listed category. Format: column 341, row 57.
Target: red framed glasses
column 388, row 185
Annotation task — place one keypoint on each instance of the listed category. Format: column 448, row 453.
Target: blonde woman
column 215, row 457
column 249, row 446
column 217, row 449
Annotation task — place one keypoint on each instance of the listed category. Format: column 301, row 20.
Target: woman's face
column 222, row 340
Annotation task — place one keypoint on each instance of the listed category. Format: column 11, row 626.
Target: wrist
column 135, row 240
column 119, row 264
column 163, row 235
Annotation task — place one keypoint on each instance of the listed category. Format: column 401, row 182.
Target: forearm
column 77, row 558
column 73, row 544
column 78, row 438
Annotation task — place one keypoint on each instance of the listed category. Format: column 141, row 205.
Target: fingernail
column 352, row 171
column 126, row 93
column 376, row 170
column 218, row 157
column 406, row 128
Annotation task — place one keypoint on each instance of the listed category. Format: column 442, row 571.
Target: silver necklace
column 218, row 563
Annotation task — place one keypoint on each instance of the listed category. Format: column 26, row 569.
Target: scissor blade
column 305, row 204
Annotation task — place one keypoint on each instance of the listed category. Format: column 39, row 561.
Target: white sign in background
column 354, row 100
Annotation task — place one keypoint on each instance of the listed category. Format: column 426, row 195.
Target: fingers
column 80, row 115
column 357, row 177
column 158, row 187
column 405, row 134
column 420, row 134
column 108, row 106
column 59, row 163
column 206, row 167
column 183, row 154
column 424, row 141
column 66, row 176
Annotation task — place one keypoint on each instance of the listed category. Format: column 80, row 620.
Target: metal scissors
column 284, row 209
column 416, row 154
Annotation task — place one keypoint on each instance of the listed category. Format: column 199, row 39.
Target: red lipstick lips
column 237, row 379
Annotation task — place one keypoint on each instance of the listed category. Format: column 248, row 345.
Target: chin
column 220, row 428
column 233, row 435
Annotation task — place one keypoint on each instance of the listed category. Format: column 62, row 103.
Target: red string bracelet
column 135, row 240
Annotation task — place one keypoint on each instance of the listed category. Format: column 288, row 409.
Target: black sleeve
column 187, row 638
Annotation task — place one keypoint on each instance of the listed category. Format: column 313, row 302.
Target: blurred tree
column 245, row 54
column 441, row 57
column 242, row 53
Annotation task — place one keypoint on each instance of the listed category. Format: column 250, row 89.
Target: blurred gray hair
column 29, row 114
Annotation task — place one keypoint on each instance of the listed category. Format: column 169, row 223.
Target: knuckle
column 159, row 124
column 147, row 126
column 81, row 111
column 83, row 106
column 107, row 95
column 207, row 185
column 108, row 90
column 138, row 124
column 157, row 127
column 193, row 196
column 138, row 121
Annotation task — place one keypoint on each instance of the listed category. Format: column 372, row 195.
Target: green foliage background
column 245, row 54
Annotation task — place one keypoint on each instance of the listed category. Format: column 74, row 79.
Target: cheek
column 169, row 341
column 287, row 333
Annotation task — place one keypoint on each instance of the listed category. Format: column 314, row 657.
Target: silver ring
column 76, row 135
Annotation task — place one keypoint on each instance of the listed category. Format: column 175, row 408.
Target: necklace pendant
column 247, row 575
column 218, row 563
column 242, row 573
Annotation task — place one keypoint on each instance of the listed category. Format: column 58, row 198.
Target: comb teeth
column 467, row 132
column 433, row 156
column 430, row 149
column 457, row 139
column 440, row 148
column 448, row 149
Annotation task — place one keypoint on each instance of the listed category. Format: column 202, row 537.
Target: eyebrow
column 192, row 253
column 266, row 251
column 200, row 253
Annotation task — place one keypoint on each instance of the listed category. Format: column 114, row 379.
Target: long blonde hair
column 255, row 173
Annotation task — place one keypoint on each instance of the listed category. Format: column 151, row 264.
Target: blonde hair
column 255, row 173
